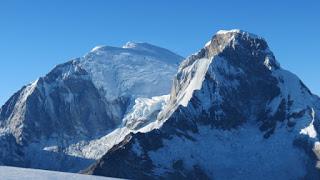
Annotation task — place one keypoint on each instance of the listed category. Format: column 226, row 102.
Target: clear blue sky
column 36, row 35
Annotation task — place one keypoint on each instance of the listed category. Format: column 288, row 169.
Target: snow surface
column 310, row 130
column 197, row 73
column 130, row 70
column 290, row 86
column 267, row 63
column 236, row 31
column 96, row 48
column 229, row 31
column 14, row 173
column 208, row 43
column 145, row 109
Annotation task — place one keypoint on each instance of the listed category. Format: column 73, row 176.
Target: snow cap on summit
column 236, row 31
column 131, row 44
column 96, row 48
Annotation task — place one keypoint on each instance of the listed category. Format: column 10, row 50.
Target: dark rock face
column 10, row 152
column 127, row 164
column 136, row 168
column 242, row 91
column 8, row 107
column 71, row 105
column 67, row 117
column 68, row 108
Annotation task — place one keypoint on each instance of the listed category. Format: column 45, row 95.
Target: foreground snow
column 13, row 173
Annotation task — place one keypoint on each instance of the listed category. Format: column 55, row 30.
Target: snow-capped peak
column 229, row 31
column 150, row 49
column 241, row 40
column 209, row 62
column 236, row 31
column 140, row 46
column 232, row 37
column 133, row 65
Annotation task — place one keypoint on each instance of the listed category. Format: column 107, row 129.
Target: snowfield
column 14, row 173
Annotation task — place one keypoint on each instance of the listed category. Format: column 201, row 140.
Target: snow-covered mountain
column 233, row 113
column 62, row 121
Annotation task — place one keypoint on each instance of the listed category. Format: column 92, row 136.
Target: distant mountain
column 233, row 113
column 59, row 122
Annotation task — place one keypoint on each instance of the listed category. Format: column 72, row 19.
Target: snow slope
column 14, row 173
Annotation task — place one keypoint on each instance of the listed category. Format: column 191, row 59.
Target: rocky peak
column 236, row 65
column 232, row 107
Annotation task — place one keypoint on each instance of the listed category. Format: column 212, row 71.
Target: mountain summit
column 233, row 113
